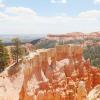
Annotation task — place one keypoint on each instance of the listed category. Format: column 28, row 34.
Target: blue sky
column 47, row 8
column 49, row 16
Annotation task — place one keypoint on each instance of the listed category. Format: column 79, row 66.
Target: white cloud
column 10, row 23
column 64, row 1
column 20, row 11
column 59, row 1
column 90, row 14
column 96, row 1
column 2, row 5
column 3, row 16
column 53, row 1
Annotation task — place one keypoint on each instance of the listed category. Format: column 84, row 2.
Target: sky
column 49, row 16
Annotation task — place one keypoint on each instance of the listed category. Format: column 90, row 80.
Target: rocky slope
column 58, row 73
column 68, row 38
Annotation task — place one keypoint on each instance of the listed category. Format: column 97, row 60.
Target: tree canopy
column 93, row 53
column 4, row 57
column 16, row 49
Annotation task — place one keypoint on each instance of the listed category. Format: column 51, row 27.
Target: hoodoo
column 59, row 73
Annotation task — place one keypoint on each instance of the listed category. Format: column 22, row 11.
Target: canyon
column 73, row 35
column 58, row 73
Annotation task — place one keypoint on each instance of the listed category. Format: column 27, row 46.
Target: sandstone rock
column 59, row 52
column 57, row 73
column 94, row 94
column 81, row 91
column 44, row 61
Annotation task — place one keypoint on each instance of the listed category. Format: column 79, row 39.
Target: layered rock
column 58, row 73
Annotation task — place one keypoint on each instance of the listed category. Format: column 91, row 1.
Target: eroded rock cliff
column 59, row 73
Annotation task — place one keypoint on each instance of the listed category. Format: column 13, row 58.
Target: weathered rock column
column 44, row 61
column 66, row 51
column 27, row 76
column 52, row 57
column 59, row 52
column 37, row 68
column 27, row 72
column 78, row 52
column 68, row 69
column 75, row 53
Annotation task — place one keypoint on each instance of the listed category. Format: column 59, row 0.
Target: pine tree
column 17, row 51
column 93, row 53
column 4, row 57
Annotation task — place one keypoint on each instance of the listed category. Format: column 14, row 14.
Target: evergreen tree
column 93, row 53
column 17, row 51
column 4, row 57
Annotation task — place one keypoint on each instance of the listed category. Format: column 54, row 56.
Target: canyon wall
column 59, row 73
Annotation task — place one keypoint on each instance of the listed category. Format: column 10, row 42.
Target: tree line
column 93, row 53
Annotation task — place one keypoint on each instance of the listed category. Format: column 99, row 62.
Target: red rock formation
column 44, row 61
column 58, row 74
column 79, row 77
column 73, row 35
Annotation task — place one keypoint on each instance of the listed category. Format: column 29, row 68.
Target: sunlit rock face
column 94, row 94
column 10, row 86
column 58, row 73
